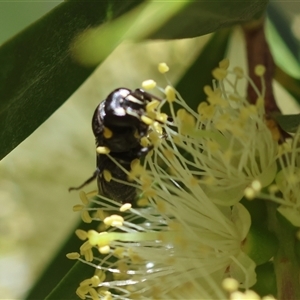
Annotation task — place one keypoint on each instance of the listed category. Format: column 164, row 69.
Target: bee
column 119, row 123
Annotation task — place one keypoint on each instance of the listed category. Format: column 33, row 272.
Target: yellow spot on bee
column 107, row 133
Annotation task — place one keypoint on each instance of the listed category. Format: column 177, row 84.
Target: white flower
column 286, row 190
column 186, row 235
column 180, row 247
column 228, row 141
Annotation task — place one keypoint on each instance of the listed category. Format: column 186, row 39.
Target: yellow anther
column 88, row 255
column 85, row 216
column 224, row 64
column 170, row 93
column 219, row 73
column 146, row 120
column 102, row 150
column 100, row 274
column 151, row 106
column 107, row 175
column 208, row 90
column 125, row 207
column 135, row 164
column 93, row 294
column 230, row 285
column 104, row 249
column 85, row 246
column 256, row 185
column 91, row 194
column 114, row 221
column 142, row 202
column 78, row 207
column 260, row 70
column 86, row 282
column 81, row 234
column 80, row 293
column 181, row 114
column 162, row 117
column 107, row 133
column 148, row 84
column 73, row 255
column 83, row 198
column 144, row 142
column 239, row 72
column 163, row 68
column 154, row 137
column 95, row 280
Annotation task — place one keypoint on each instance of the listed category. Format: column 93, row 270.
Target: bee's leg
column 92, row 178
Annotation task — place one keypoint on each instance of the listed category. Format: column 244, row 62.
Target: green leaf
column 191, row 85
column 282, row 55
column 164, row 20
column 283, row 25
column 66, row 289
column 202, row 17
column 37, row 72
column 266, row 280
column 260, row 244
column 291, row 84
column 289, row 123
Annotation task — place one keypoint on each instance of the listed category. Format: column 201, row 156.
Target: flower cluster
column 186, row 234
column 286, row 188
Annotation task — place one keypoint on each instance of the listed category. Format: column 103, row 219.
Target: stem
column 285, row 261
column 258, row 53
